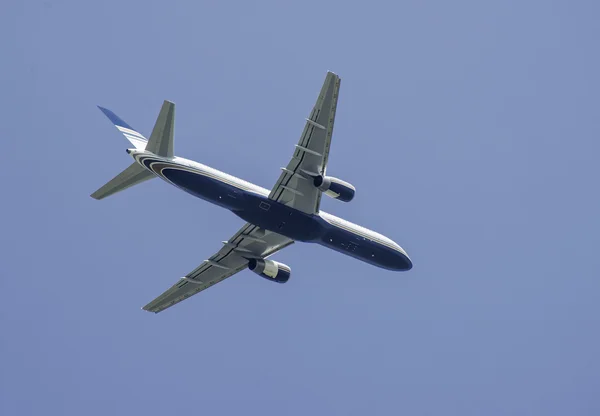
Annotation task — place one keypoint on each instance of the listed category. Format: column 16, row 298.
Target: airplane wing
column 294, row 188
column 250, row 241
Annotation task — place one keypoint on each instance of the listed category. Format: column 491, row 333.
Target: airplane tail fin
column 161, row 139
column 133, row 175
column 135, row 137
column 160, row 143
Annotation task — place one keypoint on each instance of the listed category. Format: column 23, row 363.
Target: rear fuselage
column 251, row 203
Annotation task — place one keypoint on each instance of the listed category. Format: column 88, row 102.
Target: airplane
column 275, row 218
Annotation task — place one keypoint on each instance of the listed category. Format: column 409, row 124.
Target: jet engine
column 335, row 188
column 271, row 270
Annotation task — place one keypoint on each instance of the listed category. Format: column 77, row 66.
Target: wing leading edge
column 311, row 154
column 250, row 241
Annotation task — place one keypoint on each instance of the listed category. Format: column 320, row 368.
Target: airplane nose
column 402, row 261
column 407, row 263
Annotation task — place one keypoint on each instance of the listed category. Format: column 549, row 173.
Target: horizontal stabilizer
column 135, row 137
column 161, row 139
column 133, row 175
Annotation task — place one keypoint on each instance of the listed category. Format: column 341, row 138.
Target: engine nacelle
column 271, row 270
column 335, row 188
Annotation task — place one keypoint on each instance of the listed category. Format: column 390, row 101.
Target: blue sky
column 470, row 130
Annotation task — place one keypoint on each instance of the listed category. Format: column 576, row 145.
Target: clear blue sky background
column 470, row 129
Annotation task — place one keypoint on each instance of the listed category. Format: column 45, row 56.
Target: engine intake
column 270, row 270
column 335, row 188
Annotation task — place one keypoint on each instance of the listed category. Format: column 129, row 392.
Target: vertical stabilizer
column 135, row 137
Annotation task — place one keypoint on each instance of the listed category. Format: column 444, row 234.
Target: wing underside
column 295, row 187
column 249, row 242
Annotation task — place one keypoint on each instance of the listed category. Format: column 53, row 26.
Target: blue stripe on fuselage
column 205, row 187
column 369, row 251
column 273, row 216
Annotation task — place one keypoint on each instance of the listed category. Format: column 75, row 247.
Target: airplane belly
column 273, row 216
column 205, row 187
column 364, row 249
